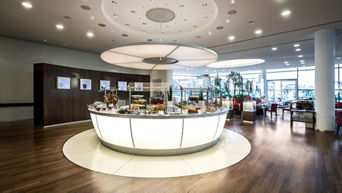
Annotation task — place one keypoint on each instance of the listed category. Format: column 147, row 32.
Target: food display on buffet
column 154, row 102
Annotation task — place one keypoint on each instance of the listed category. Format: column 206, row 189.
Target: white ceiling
column 194, row 21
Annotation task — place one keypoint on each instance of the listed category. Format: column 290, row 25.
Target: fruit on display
column 160, row 107
column 191, row 111
column 138, row 105
column 112, row 99
column 211, row 109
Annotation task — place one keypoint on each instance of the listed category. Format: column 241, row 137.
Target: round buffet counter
column 158, row 134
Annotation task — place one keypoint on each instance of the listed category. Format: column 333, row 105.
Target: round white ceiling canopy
column 236, row 63
column 145, row 16
column 159, row 56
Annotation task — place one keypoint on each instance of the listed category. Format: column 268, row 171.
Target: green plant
column 169, row 94
column 237, row 82
column 217, row 81
column 239, row 96
column 200, row 98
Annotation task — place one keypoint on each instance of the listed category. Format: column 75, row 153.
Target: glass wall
column 283, row 84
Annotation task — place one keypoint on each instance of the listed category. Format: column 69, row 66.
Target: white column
column 265, row 84
column 325, row 79
column 164, row 76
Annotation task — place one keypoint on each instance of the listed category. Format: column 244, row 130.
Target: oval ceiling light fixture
column 258, row 32
column 60, row 26
column 231, row 38
column 90, row 34
column 286, row 13
column 236, row 63
column 159, row 56
column 27, row 4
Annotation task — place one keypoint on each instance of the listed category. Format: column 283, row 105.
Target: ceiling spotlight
column 27, row 4
column 231, row 38
column 258, row 32
column 296, row 45
column 274, row 48
column 232, row 1
column 300, row 56
column 60, row 26
column 286, row 13
column 90, row 34
column 209, row 33
column 92, row 17
column 298, row 50
column 227, row 21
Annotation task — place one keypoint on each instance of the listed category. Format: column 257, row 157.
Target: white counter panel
column 94, row 121
column 115, row 130
column 220, row 127
column 157, row 133
column 198, row 131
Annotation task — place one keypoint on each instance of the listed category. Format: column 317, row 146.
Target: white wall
column 16, row 71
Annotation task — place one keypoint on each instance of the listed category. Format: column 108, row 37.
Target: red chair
column 287, row 108
column 338, row 105
column 338, row 120
column 272, row 109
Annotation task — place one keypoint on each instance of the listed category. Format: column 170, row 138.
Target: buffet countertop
column 115, row 113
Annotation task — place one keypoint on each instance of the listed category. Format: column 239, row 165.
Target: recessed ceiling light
column 90, row 34
column 232, row 1
column 298, row 50
column 236, row 63
column 219, row 27
column 102, row 25
column 209, row 33
column 296, row 45
column 27, row 4
column 92, row 17
column 45, row 41
column 300, row 56
column 60, row 26
column 231, row 38
column 286, row 13
column 274, row 48
column 227, row 21
column 258, row 32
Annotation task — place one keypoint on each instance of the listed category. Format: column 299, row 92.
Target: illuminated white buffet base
column 158, row 134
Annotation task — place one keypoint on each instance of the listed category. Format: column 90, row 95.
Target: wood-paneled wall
column 54, row 106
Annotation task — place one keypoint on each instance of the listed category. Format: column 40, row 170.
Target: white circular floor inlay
column 84, row 149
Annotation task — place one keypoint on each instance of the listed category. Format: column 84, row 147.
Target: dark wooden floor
column 281, row 160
